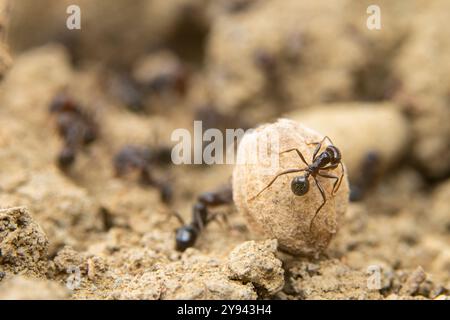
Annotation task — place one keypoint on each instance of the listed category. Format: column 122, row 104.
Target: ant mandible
column 187, row 235
column 327, row 160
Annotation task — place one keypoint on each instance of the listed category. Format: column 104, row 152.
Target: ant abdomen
column 185, row 237
column 300, row 185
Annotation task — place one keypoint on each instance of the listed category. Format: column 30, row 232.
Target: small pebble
column 256, row 262
column 278, row 213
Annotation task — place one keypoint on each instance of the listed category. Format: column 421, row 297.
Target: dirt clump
column 255, row 262
column 23, row 244
column 153, row 276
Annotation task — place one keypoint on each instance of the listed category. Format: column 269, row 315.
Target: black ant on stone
column 141, row 159
column 187, row 235
column 76, row 128
column 321, row 163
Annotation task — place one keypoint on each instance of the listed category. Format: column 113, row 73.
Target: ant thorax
column 322, row 160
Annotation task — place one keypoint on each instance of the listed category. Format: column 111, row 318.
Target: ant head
column 300, row 185
column 334, row 153
column 185, row 237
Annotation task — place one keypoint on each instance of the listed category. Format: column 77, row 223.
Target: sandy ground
column 85, row 233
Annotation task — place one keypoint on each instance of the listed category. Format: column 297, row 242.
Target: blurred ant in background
column 142, row 159
column 369, row 173
column 187, row 235
column 127, row 90
column 212, row 118
column 269, row 66
column 75, row 127
column 159, row 76
column 171, row 77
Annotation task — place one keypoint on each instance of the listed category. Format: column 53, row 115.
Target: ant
column 74, row 126
column 327, row 160
column 187, row 235
column 127, row 90
column 269, row 66
column 162, row 74
column 370, row 172
column 132, row 157
column 173, row 79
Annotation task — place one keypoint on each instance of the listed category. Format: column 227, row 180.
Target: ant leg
column 318, row 146
column 275, row 178
column 341, row 177
column 211, row 218
column 165, row 189
column 329, row 139
column 226, row 221
column 330, row 176
column 179, row 218
column 322, row 192
column 316, row 150
column 222, row 222
column 218, row 197
column 299, row 154
column 200, row 215
column 166, row 192
column 334, row 166
column 330, row 167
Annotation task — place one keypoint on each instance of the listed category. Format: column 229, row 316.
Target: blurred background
column 140, row 69
column 262, row 58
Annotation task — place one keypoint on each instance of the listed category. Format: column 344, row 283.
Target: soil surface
column 77, row 228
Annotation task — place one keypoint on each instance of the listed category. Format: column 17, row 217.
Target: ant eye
column 300, row 185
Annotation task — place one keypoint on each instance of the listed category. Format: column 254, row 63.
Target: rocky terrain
column 72, row 227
